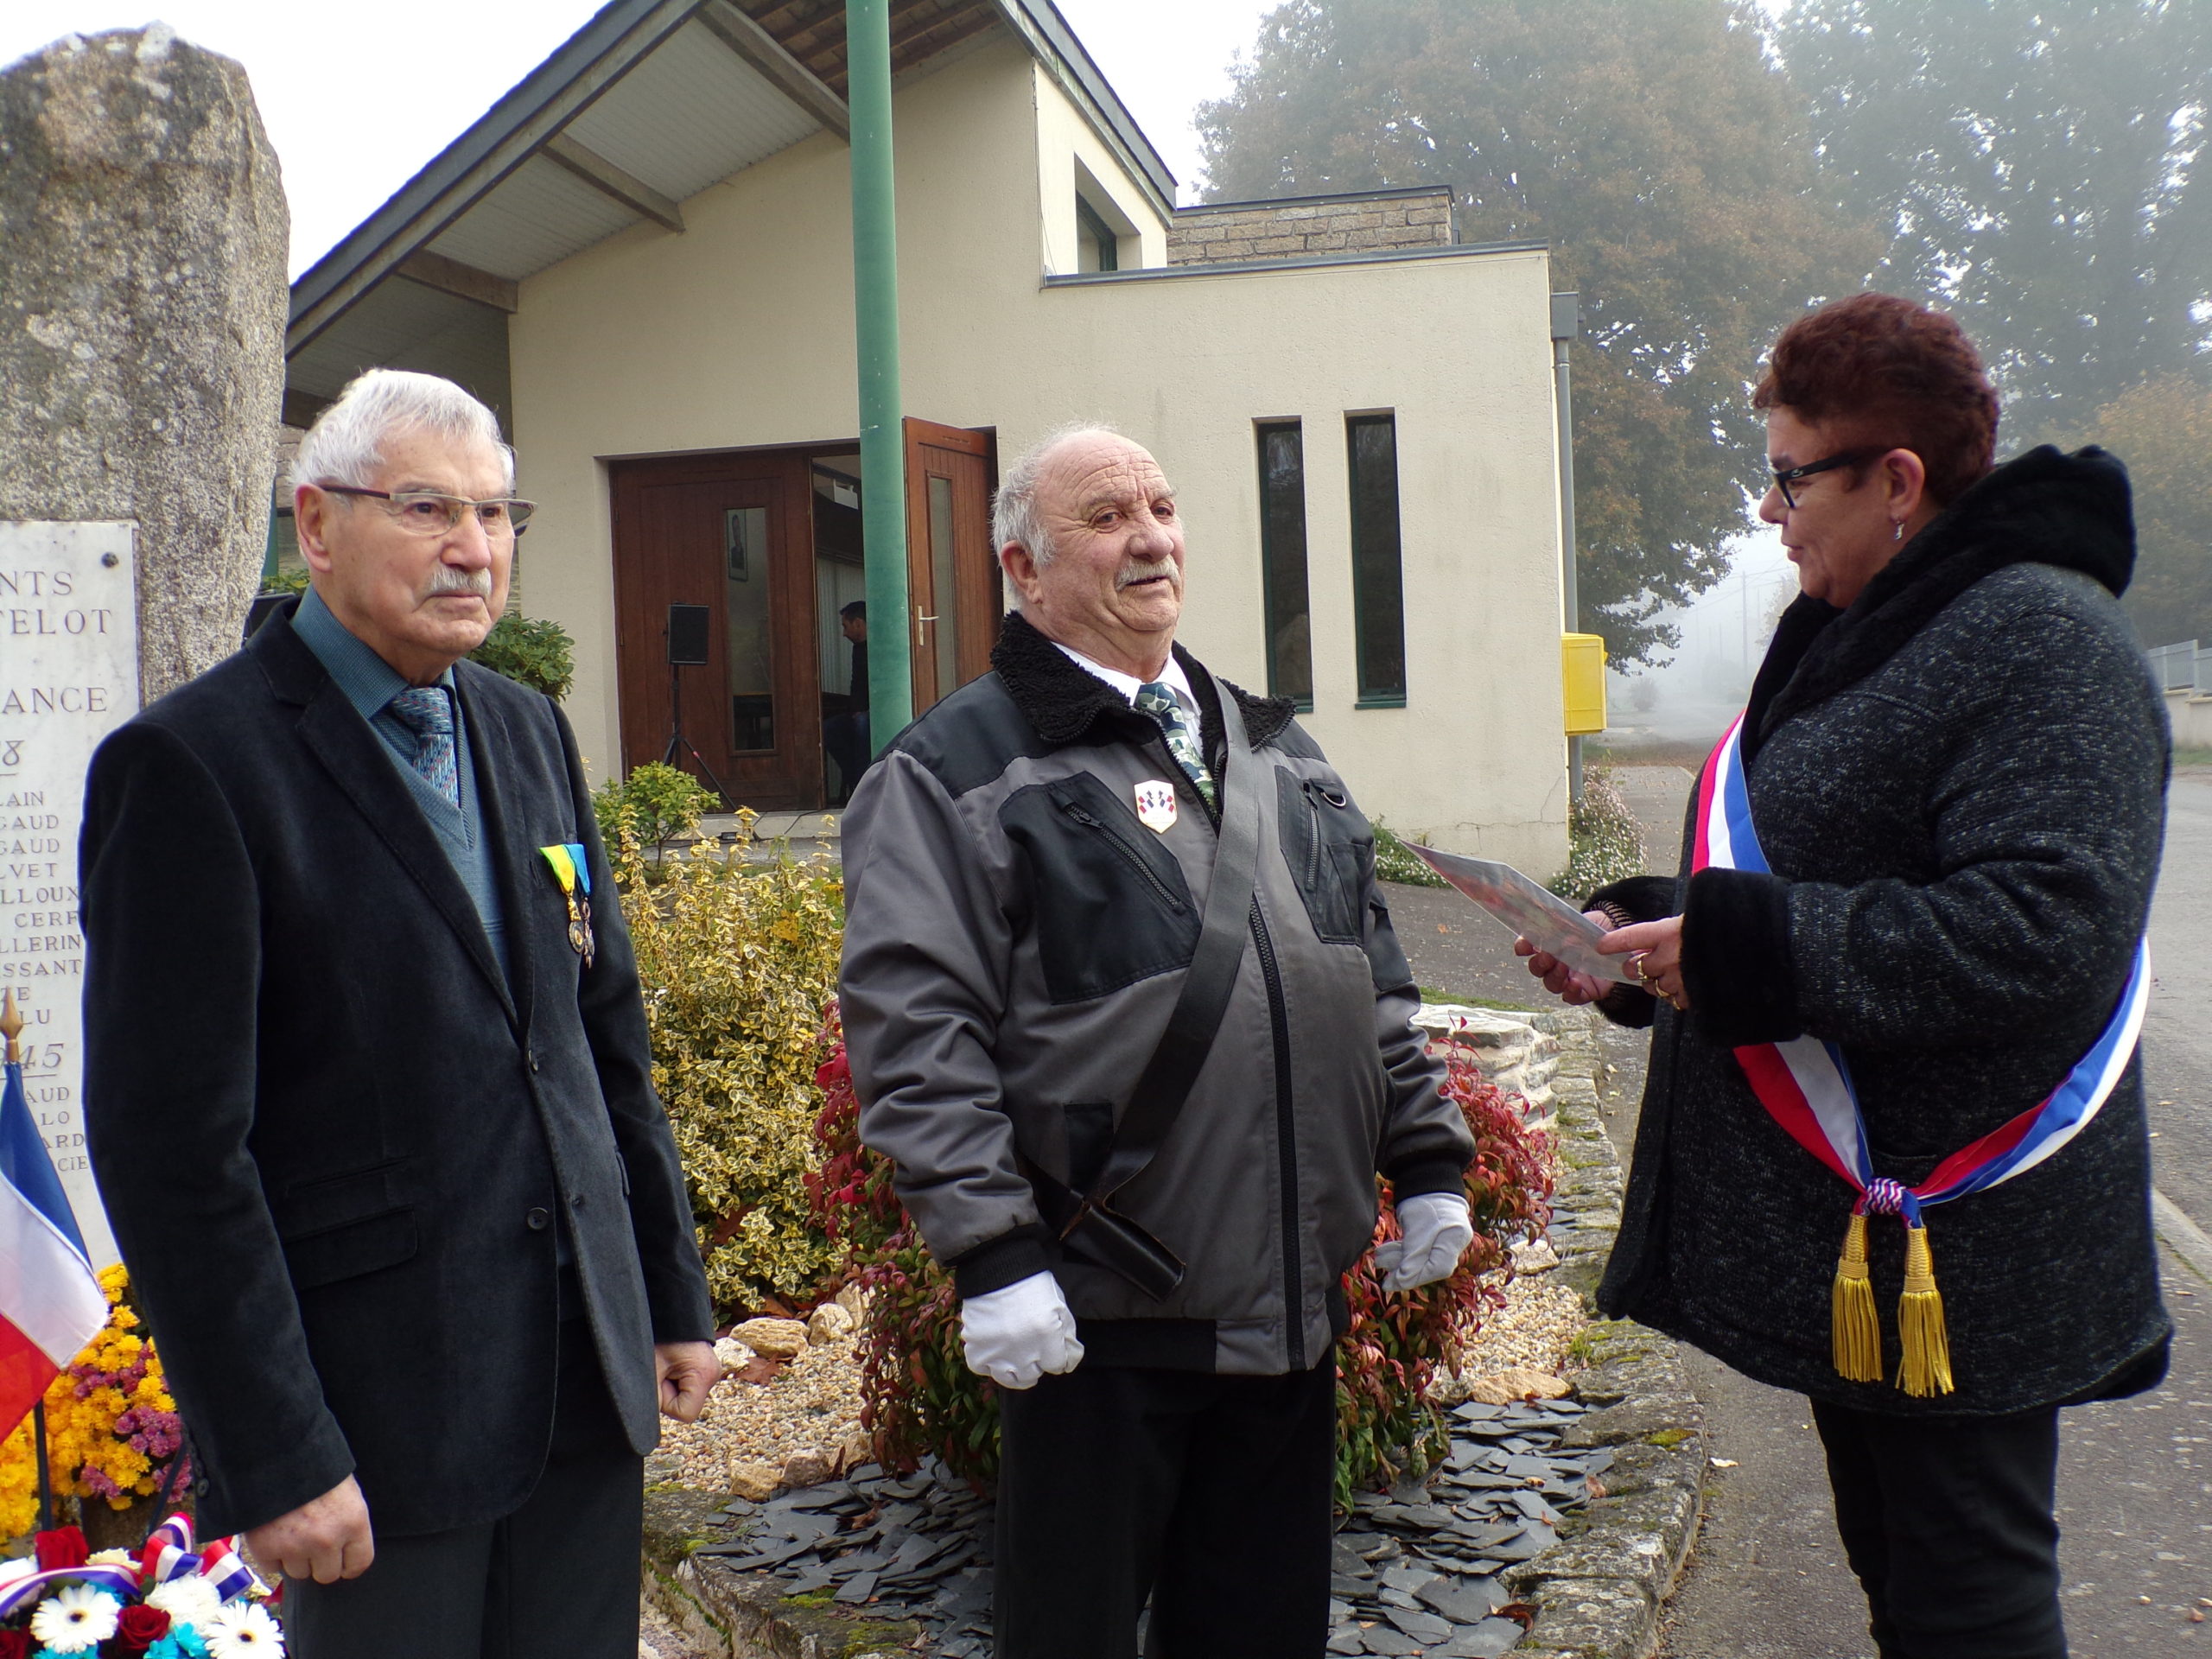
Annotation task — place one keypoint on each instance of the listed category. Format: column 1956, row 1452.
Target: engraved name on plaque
column 68, row 677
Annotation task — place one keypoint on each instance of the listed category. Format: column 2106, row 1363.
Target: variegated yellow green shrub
column 737, row 961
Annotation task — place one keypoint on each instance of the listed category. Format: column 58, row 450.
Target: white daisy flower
column 112, row 1558
column 188, row 1601
column 242, row 1630
column 76, row 1619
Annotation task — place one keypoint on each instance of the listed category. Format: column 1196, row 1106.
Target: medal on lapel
column 571, row 870
column 1156, row 805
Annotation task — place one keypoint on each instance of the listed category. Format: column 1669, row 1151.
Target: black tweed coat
column 1960, row 785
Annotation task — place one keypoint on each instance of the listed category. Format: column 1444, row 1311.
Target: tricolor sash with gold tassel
column 1806, row 1088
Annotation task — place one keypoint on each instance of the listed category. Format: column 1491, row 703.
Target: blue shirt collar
column 368, row 682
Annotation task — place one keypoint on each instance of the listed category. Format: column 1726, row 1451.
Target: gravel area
column 810, row 1405
column 1540, row 1319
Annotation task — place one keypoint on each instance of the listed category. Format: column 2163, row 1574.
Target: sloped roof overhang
column 650, row 102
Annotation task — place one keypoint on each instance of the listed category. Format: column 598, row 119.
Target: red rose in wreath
column 63, row 1546
column 17, row 1645
column 138, row 1629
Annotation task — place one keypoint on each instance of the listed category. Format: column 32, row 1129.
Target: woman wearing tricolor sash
column 1892, row 1153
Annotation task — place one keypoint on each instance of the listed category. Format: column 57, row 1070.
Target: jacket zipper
column 1129, row 855
column 1293, row 1277
column 1313, row 841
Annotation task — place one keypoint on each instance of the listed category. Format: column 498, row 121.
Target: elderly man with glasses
column 368, row 1089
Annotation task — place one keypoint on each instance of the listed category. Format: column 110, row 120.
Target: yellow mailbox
column 1583, row 661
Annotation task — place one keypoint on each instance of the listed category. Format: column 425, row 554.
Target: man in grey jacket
column 1028, row 868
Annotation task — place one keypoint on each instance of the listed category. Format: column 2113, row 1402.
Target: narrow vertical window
column 1098, row 246
column 1282, row 562
column 1377, row 571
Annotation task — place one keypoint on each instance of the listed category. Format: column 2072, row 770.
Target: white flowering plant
column 169, row 1601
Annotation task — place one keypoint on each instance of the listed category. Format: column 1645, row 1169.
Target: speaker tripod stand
column 686, row 648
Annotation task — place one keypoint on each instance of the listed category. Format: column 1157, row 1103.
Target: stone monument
column 142, row 303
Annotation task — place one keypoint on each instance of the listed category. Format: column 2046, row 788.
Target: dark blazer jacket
column 337, row 1145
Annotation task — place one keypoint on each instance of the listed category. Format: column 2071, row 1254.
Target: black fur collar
column 1063, row 701
column 2043, row 507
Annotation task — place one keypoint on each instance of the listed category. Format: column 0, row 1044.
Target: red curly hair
column 1877, row 370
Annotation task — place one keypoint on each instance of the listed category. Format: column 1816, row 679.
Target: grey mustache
column 1130, row 574
column 447, row 579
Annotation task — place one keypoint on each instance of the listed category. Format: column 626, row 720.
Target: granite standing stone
column 143, row 306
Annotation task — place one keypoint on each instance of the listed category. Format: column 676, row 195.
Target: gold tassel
column 1926, row 1369
column 1855, row 1329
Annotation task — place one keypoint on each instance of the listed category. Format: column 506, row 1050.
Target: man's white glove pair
column 1015, row 1335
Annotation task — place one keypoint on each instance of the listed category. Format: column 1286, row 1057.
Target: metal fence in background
column 2184, row 667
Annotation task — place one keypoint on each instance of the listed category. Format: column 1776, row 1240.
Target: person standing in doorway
column 846, row 735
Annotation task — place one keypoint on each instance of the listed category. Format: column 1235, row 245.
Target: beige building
column 643, row 257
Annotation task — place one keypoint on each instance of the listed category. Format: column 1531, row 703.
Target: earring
column 1898, row 530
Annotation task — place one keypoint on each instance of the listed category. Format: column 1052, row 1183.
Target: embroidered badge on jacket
column 1156, row 805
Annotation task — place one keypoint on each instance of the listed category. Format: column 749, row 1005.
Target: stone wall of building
column 1374, row 221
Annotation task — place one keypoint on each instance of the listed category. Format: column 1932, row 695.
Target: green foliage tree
column 2037, row 165
column 2162, row 431
column 537, row 654
column 654, row 804
column 1665, row 156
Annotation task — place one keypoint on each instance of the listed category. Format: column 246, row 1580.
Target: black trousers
column 557, row 1576
column 1211, row 1495
column 1948, row 1522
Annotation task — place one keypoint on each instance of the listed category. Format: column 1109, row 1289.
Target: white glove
column 1437, row 1230
column 1014, row 1335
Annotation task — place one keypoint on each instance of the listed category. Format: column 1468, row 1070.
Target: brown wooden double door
column 766, row 542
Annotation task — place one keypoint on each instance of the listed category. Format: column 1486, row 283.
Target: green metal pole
column 875, row 330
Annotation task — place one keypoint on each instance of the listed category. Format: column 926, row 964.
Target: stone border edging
column 1600, row 1593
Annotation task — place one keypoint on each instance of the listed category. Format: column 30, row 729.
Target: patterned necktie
column 1157, row 699
column 426, row 711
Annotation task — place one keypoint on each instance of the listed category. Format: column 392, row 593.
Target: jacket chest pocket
column 1109, row 903
column 1329, row 848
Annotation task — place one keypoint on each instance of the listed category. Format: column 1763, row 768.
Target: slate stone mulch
column 1415, row 1571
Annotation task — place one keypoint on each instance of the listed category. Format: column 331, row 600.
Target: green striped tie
column 1159, row 700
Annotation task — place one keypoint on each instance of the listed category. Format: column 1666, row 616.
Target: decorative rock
column 754, row 1480
column 828, row 1323
column 141, row 356
column 777, row 1338
column 732, row 1356
column 807, row 1467
column 1534, row 1255
column 1517, row 1382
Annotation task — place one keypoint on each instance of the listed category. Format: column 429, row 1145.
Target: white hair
column 1013, row 509
column 346, row 444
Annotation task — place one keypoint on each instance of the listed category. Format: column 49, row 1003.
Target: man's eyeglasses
column 1785, row 476
column 427, row 512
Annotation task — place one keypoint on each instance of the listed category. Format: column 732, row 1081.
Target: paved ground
column 1768, row 1580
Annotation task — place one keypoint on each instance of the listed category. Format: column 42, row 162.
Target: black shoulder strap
column 1091, row 1230
column 1175, row 1063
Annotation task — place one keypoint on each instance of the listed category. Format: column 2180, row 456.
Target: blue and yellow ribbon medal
column 574, row 873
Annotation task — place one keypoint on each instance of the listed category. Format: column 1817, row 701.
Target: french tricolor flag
column 51, row 1303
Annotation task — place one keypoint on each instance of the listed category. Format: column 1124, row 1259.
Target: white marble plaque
column 68, row 677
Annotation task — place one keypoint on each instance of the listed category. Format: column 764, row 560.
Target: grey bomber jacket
column 1014, row 940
